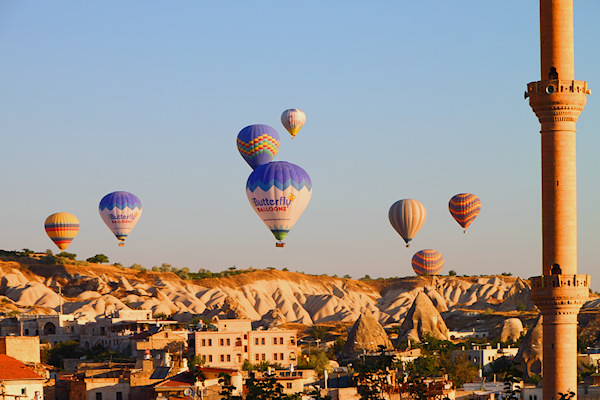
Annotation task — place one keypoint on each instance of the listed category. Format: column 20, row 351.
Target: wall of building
column 26, row 389
column 23, row 348
column 229, row 349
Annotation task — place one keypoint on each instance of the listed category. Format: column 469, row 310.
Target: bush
column 69, row 256
column 138, row 267
column 452, row 273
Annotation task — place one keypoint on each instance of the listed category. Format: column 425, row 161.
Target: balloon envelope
column 120, row 211
column 258, row 144
column 427, row 262
column 293, row 119
column 407, row 217
column 464, row 207
column 62, row 228
column 279, row 193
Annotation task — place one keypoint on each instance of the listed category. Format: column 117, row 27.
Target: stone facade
column 557, row 100
column 235, row 341
column 23, row 348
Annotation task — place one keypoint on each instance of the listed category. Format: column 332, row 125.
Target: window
column 239, row 358
column 222, row 358
column 245, row 349
column 98, row 396
column 24, row 391
column 293, row 341
column 228, row 342
column 263, row 356
column 256, row 341
column 280, row 340
column 203, row 342
column 210, row 342
column 245, row 336
column 262, row 341
column 119, row 395
column 221, row 342
column 274, row 340
column 209, row 358
column 257, row 357
column 228, row 357
column 281, row 356
column 288, row 385
column 275, row 356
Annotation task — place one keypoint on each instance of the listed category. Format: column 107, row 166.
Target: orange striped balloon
column 407, row 216
column 427, row 262
column 62, row 228
column 464, row 207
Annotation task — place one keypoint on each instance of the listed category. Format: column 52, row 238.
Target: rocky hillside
column 270, row 296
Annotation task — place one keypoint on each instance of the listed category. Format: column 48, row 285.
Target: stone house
column 19, row 381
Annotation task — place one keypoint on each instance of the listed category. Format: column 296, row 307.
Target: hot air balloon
column 464, row 207
column 258, row 144
column 427, row 262
column 62, row 228
column 407, row 217
column 293, row 119
column 120, row 211
column 279, row 192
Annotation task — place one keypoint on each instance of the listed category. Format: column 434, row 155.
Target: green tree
column 62, row 350
column 165, row 267
column 266, row 388
column 452, row 273
column 317, row 332
column 138, row 267
column 98, row 259
column 227, row 388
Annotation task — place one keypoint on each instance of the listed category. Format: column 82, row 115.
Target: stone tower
column 557, row 100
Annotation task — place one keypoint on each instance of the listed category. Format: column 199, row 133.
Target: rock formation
column 422, row 318
column 530, row 355
column 365, row 337
column 511, row 329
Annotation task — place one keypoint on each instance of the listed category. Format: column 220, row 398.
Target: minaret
column 557, row 100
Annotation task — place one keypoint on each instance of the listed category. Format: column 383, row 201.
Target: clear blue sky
column 403, row 100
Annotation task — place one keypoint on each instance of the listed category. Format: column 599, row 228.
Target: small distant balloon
column 293, row 119
column 62, row 228
column 427, row 262
column 279, row 193
column 464, row 207
column 120, row 211
column 258, row 144
column 407, row 216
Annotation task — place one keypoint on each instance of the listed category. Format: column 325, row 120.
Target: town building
column 19, row 381
column 484, row 356
column 234, row 341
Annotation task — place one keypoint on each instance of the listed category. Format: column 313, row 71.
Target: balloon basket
column 121, row 244
column 280, row 244
column 407, row 245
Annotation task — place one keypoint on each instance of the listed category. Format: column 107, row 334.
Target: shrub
column 69, row 256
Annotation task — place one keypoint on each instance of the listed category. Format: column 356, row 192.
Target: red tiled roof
column 216, row 370
column 13, row 369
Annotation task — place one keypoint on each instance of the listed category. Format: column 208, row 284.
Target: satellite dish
column 187, row 392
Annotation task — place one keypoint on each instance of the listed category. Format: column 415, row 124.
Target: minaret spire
column 557, row 100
